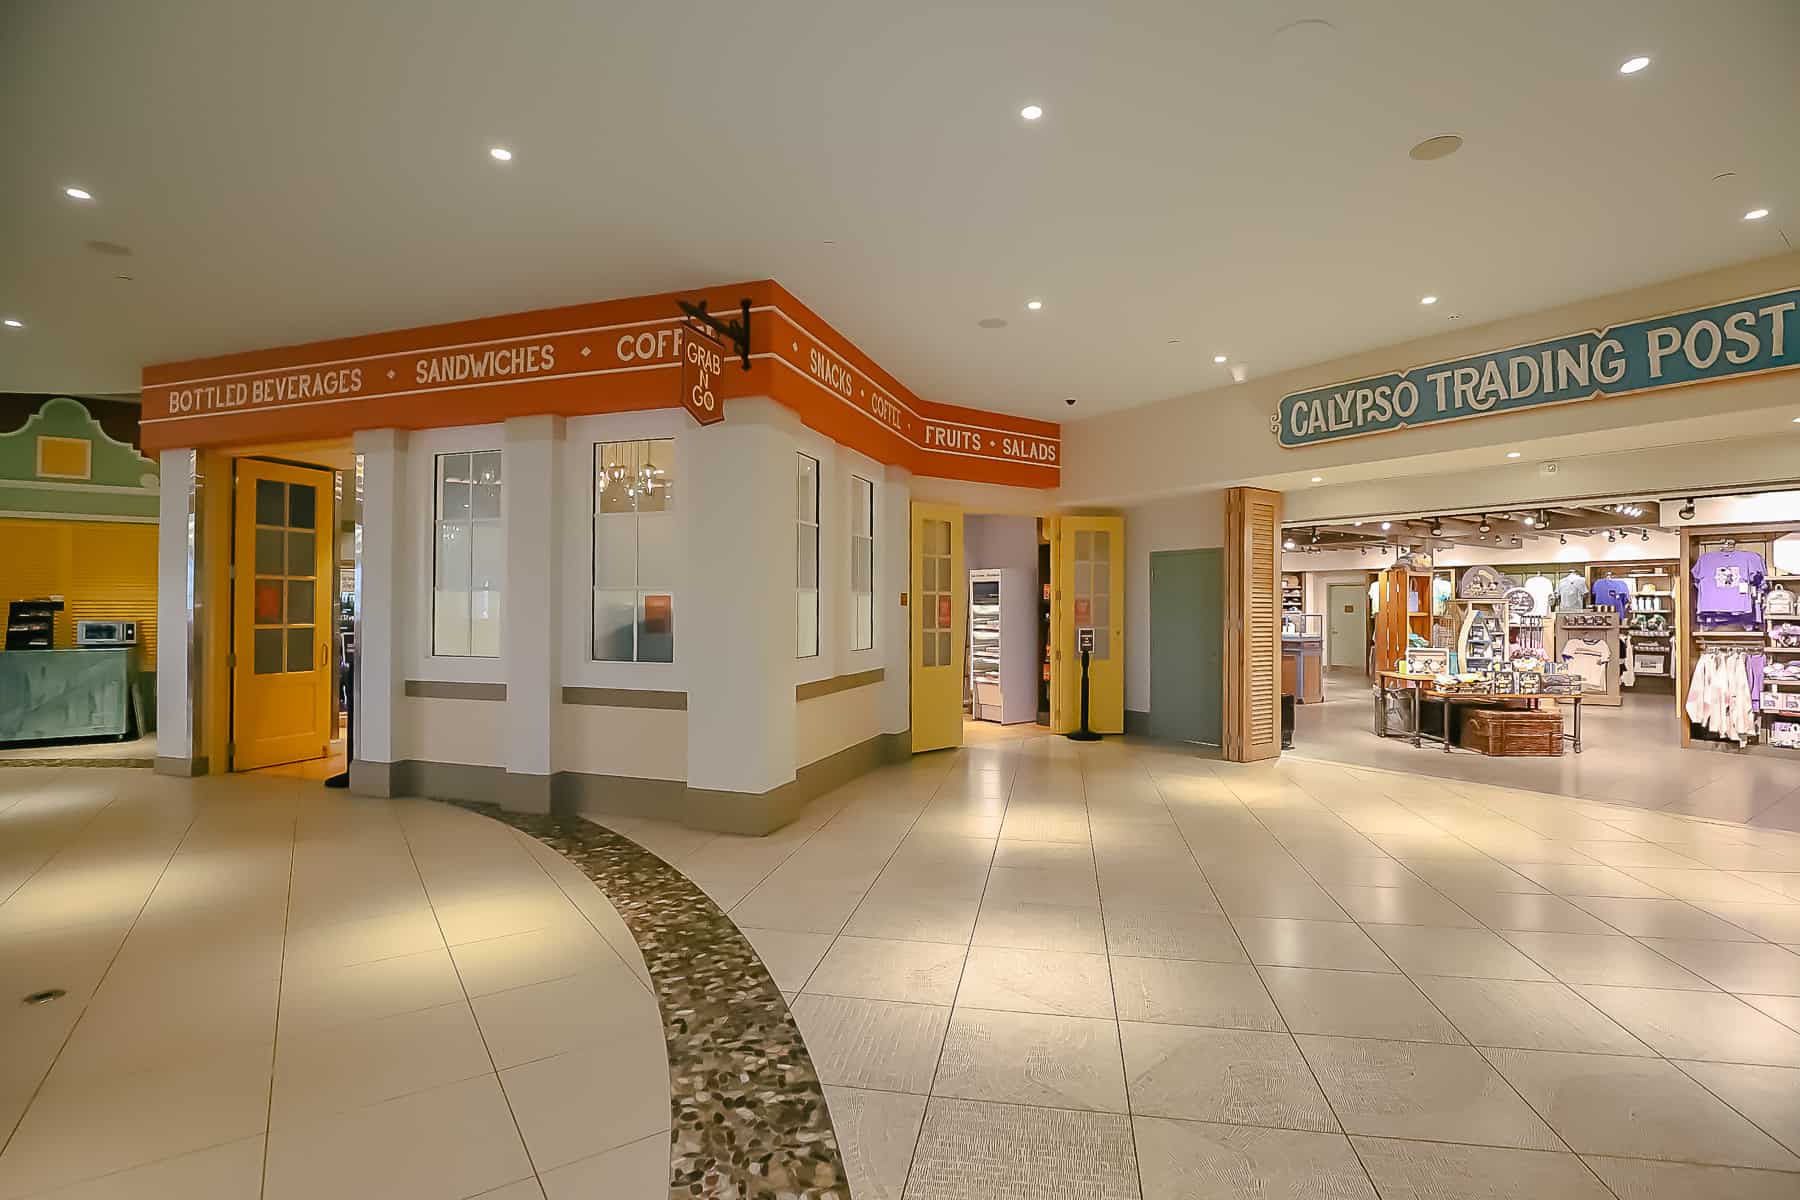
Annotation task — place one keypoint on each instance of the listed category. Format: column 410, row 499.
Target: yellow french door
column 281, row 615
column 1087, row 556
column 939, row 615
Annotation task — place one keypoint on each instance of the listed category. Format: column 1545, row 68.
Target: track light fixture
column 1562, row 539
column 1485, row 527
column 1437, row 529
column 1610, row 537
column 1687, row 510
column 1646, row 535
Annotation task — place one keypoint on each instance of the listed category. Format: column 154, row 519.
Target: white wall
column 1662, row 544
column 1188, row 522
column 1758, row 509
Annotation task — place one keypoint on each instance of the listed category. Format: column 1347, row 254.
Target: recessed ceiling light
column 1427, row 299
column 1031, row 112
column 14, row 323
column 1219, row 358
column 1318, row 479
column 1034, row 305
column 1797, row 420
column 1441, row 146
column 1512, row 454
column 75, row 193
column 1756, row 214
column 1632, row 66
column 992, row 322
column 500, row 152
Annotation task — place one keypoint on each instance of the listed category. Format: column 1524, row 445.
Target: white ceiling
column 289, row 172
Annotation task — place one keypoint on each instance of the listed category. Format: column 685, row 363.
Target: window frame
column 668, row 518
column 816, row 525
column 869, row 552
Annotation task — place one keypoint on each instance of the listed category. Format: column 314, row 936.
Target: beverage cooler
column 1003, row 669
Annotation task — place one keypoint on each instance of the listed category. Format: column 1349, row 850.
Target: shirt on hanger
column 1614, row 594
column 1727, row 585
column 1540, row 588
column 1588, row 657
column 1571, row 593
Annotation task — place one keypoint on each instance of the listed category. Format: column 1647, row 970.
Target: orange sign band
column 612, row 356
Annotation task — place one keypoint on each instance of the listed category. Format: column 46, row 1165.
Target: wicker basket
column 1509, row 733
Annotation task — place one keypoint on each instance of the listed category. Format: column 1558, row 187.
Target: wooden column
column 1252, row 624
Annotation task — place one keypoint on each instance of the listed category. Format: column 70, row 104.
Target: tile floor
column 1031, row 969
column 1631, row 755
column 281, row 991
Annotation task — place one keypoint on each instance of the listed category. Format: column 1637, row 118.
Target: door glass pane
column 488, row 561
column 271, row 502
column 1102, row 545
column 1084, row 578
column 944, row 650
column 300, row 554
column 1084, row 545
column 937, row 537
column 485, row 467
column 613, row 616
column 269, row 558
column 453, row 555
column 615, row 552
column 300, row 602
column 268, row 601
column 928, row 650
column 456, row 502
column 300, row 648
column 656, row 627
column 1101, row 577
column 267, row 657
column 302, row 506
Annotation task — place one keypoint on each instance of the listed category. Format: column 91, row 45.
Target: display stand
column 1595, row 625
column 1647, row 638
column 1779, row 709
column 1404, row 609
column 1002, row 667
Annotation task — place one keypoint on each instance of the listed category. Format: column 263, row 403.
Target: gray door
column 1187, row 644
column 1347, row 625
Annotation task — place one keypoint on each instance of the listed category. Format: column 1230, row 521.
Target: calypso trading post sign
column 1744, row 337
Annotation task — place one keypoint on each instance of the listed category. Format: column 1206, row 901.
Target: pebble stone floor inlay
column 1028, row 968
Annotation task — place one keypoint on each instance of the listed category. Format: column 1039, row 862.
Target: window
column 935, row 603
column 287, row 571
column 471, row 556
column 1093, row 588
column 635, row 551
column 806, row 555
column 862, row 563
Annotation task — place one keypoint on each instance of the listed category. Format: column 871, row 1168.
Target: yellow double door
column 281, row 676
column 1087, row 567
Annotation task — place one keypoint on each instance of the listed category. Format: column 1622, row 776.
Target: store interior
column 1483, row 644
column 1007, row 676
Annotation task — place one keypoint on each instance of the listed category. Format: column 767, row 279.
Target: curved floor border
column 748, row 1117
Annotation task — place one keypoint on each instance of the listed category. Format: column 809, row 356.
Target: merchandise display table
column 1389, row 683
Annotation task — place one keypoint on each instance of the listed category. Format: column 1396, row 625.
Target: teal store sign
column 1745, row 337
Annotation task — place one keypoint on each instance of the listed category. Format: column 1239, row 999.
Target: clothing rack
column 1734, row 641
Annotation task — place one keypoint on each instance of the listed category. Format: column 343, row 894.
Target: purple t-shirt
column 1727, row 584
column 1614, row 594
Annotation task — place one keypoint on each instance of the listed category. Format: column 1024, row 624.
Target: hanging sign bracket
column 736, row 332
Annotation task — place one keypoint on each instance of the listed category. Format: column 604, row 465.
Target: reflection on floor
column 1631, row 755
column 135, row 752
column 1028, row 968
column 276, row 990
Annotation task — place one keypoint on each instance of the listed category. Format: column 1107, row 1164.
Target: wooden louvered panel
column 1253, row 625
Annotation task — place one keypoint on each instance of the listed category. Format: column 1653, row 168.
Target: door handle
column 324, row 653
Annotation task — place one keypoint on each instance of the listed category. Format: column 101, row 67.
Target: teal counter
column 64, row 694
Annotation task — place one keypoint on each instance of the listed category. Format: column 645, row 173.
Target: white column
column 176, row 583
column 893, row 542
column 381, row 673
column 531, row 613
column 736, row 630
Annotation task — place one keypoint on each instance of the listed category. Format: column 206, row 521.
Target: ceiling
column 1207, row 178
column 1494, row 529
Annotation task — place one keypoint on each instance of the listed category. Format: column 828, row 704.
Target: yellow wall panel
column 102, row 571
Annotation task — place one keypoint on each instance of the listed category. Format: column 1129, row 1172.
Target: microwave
column 106, row 633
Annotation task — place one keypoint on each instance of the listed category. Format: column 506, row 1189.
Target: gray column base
column 186, row 768
column 572, row 793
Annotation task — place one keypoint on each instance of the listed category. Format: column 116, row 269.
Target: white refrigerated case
column 1002, row 646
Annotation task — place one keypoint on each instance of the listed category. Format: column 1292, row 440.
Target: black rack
column 31, row 624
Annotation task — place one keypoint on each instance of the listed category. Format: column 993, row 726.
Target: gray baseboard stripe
column 1137, row 723
column 187, row 768
column 569, row 793
column 840, row 683
column 438, row 689
column 625, row 698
